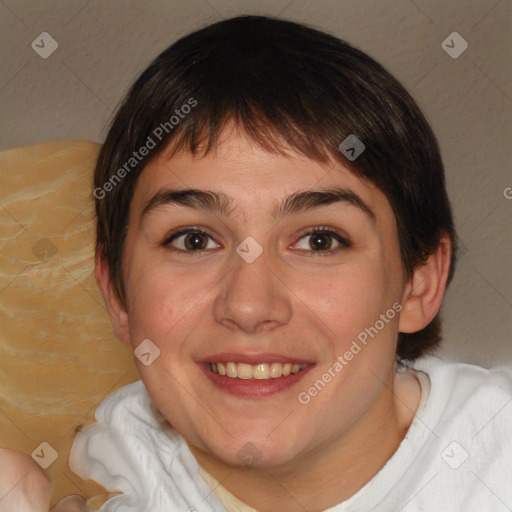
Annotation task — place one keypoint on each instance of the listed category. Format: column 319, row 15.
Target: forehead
column 251, row 176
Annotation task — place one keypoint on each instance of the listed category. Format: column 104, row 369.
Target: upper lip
column 253, row 359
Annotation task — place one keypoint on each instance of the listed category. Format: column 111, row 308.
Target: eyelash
column 325, row 230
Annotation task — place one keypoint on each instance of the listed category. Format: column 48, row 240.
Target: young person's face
column 296, row 300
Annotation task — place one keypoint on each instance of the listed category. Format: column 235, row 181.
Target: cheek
column 346, row 300
column 162, row 302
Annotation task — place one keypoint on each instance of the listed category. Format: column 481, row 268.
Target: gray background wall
column 103, row 45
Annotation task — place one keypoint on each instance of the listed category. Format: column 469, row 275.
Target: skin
column 312, row 456
column 25, row 488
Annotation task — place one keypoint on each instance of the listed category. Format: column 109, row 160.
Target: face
column 257, row 284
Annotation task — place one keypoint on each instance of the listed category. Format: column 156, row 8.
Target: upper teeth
column 258, row 371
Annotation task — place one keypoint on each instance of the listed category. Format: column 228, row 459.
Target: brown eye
column 321, row 241
column 190, row 241
column 194, row 241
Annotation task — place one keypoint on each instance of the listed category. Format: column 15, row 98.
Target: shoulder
column 132, row 409
column 464, row 381
column 469, row 405
column 127, row 422
column 133, row 450
column 460, row 443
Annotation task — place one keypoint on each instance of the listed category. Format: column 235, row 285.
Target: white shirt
column 456, row 455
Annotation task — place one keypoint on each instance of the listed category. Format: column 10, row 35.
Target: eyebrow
column 298, row 202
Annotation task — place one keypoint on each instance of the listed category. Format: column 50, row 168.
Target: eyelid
column 344, row 241
column 184, row 231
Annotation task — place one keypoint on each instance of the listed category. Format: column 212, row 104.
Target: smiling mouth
column 261, row 371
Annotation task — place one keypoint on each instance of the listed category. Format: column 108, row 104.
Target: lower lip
column 254, row 388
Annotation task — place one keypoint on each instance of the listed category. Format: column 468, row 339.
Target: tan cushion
column 58, row 355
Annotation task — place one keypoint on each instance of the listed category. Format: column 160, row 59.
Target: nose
column 253, row 297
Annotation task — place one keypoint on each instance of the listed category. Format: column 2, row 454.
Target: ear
column 118, row 315
column 424, row 293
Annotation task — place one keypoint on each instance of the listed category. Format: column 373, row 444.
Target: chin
column 251, row 453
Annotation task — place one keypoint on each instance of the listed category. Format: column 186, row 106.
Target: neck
column 336, row 470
